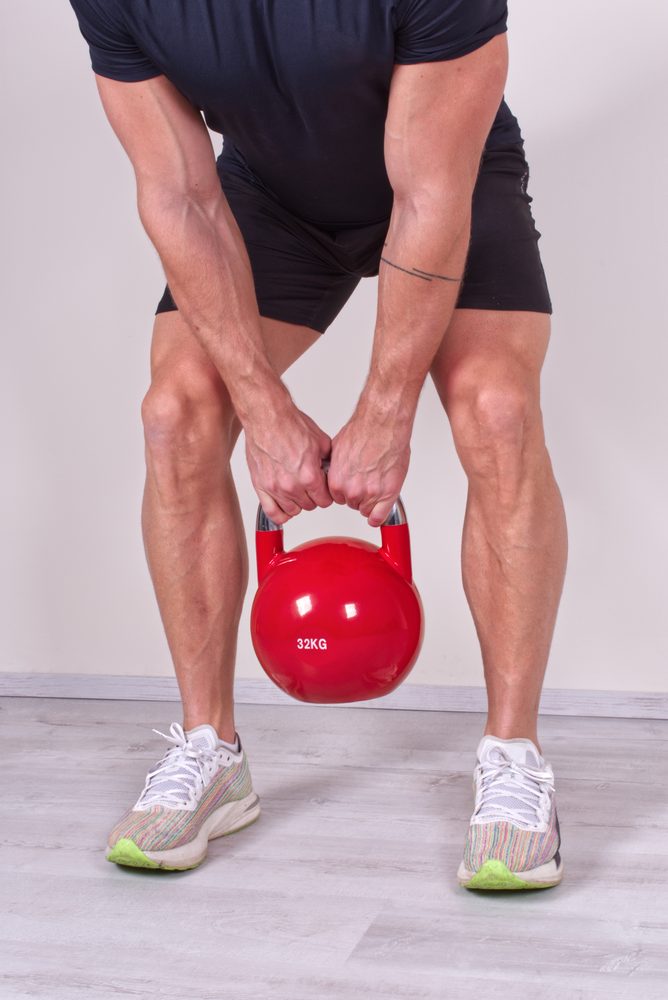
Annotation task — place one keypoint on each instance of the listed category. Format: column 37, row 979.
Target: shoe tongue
column 520, row 749
column 504, row 794
column 203, row 736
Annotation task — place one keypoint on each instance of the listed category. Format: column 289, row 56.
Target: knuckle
column 274, row 514
column 283, row 491
column 310, row 479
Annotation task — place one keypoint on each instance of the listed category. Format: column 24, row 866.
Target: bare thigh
column 180, row 364
column 492, row 353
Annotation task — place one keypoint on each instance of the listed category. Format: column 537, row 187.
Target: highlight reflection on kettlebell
column 336, row 619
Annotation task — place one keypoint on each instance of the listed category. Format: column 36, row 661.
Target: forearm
column 208, row 271
column 419, row 281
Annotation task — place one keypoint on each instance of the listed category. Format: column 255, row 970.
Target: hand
column 368, row 466
column 284, row 456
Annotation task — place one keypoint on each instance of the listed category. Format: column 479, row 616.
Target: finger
column 318, row 493
column 355, row 493
column 368, row 504
column 379, row 513
column 277, row 512
column 348, row 497
column 338, row 496
column 290, row 506
column 320, row 498
column 271, row 508
column 306, row 501
column 334, row 489
column 292, row 497
column 315, row 492
column 318, row 490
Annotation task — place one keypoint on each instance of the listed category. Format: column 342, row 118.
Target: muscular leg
column 514, row 547
column 191, row 520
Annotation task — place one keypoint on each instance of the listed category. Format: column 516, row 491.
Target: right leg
column 192, row 525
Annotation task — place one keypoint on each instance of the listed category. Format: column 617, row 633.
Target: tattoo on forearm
column 416, row 272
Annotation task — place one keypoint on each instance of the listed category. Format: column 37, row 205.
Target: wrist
column 259, row 396
column 388, row 400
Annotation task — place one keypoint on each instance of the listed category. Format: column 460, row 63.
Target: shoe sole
column 228, row 818
column 494, row 874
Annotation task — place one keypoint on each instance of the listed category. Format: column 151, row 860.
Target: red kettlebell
column 336, row 619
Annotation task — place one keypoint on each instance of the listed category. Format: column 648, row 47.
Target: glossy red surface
column 336, row 619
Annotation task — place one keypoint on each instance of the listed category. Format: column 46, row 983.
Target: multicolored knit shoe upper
column 515, row 816
column 192, row 779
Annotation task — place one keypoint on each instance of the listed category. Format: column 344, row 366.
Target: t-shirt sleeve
column 431, row 30
column 113, row 51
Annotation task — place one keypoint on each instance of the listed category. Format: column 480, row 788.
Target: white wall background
column 80, row 282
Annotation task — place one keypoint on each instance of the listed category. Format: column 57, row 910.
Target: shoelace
column 184, row 768
column 502, row 777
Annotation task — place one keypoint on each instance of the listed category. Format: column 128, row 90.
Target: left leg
column 514, row 547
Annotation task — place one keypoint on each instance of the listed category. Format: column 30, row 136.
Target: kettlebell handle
column 396, row 516
column 394, row 533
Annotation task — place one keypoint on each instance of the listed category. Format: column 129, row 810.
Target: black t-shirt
column 298, row 88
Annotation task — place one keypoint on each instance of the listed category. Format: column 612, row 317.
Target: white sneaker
column 513, row 839
column 200, row 789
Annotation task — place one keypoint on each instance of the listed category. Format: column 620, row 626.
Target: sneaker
column 200, row 789
column 513, row 839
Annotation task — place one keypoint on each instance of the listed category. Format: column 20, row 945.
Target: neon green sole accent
column 126, row 852
column 495, row 875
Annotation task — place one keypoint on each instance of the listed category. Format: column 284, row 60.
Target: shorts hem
column 505, row 307
column 313, row 323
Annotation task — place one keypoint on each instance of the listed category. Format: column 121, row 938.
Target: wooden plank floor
column 345, row 887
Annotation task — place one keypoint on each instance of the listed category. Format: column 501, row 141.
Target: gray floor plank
column 345, row 887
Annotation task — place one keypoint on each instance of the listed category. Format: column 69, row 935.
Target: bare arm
column 438, row 119
column 188, row 219
column 439, row 116
column 186, row 215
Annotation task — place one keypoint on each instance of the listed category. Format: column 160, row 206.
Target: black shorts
column 305, row 274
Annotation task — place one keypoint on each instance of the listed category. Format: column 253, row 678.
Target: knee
column 494, row 416
column 188, row 409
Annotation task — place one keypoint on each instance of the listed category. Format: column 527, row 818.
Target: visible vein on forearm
column 417, row 272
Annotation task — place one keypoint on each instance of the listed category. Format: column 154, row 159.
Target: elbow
column 449, row 182
column 158, row 207
column 154, row 199
column 159, row 201
column 446, row 205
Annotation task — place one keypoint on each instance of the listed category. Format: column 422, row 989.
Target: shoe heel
column 238, row 816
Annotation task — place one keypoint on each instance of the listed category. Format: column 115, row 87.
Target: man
column 361, row 137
